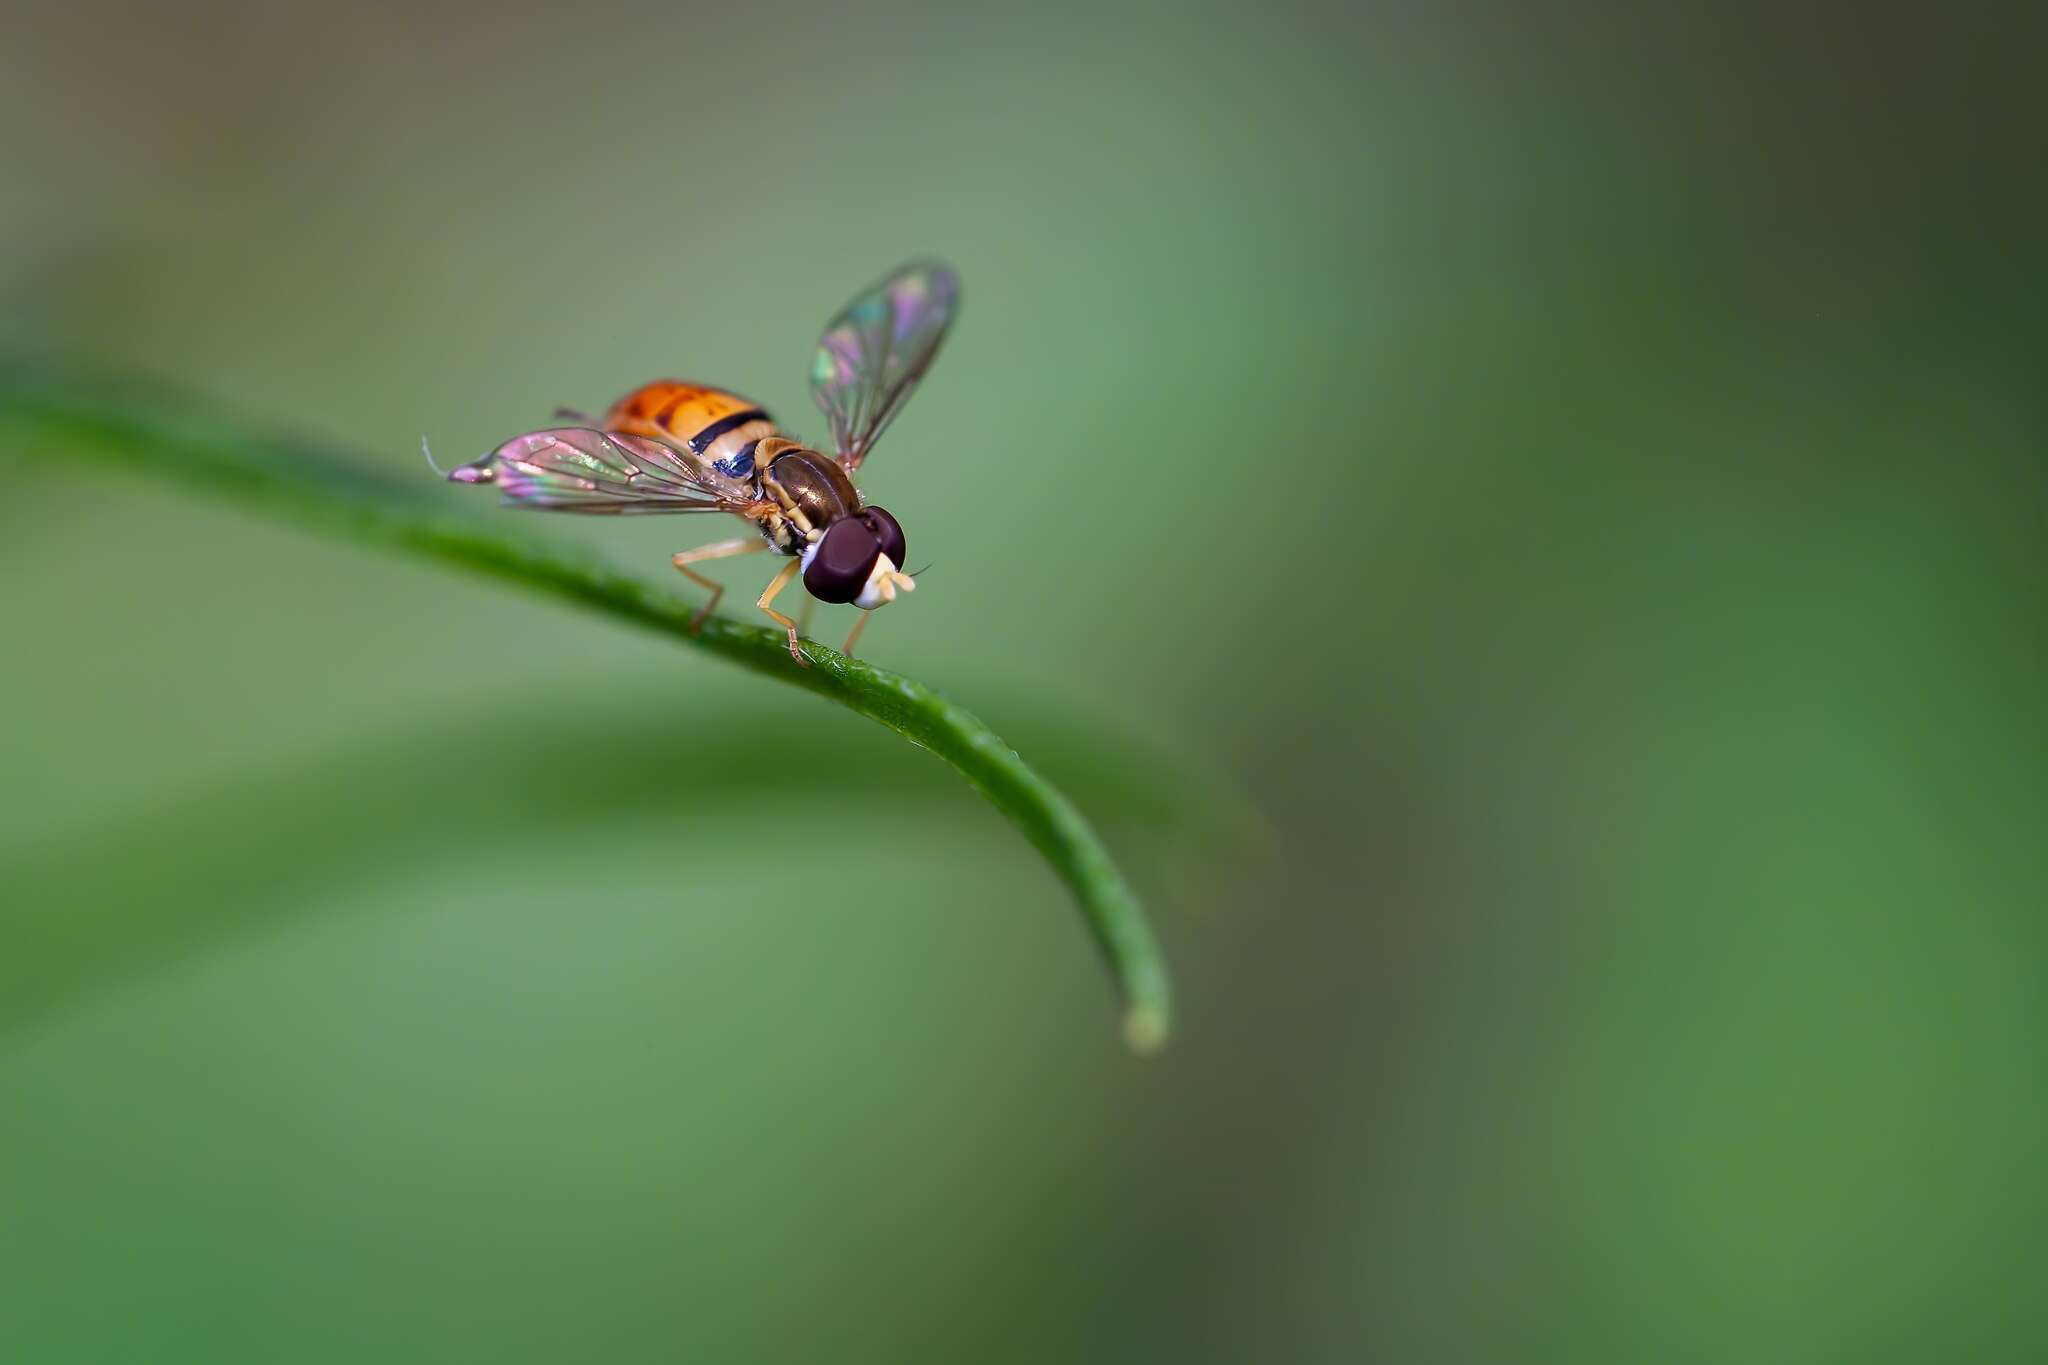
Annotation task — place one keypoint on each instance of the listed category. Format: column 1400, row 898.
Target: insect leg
column 803, row 615
column 724, row 549
column 572, row 415
column 858, row 627
column 767, row 596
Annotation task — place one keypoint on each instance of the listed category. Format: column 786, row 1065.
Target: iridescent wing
column 578, row 469
column 872, row 355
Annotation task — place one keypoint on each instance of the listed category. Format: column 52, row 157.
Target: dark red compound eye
column 844, row 559
column 887, row 532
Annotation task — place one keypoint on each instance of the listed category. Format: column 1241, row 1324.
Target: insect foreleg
column 782, row 581
column 854, row 634
column 724, row 549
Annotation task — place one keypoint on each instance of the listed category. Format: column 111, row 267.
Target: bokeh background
column 1524, row 529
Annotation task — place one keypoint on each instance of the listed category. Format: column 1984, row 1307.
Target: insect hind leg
column 723, row 549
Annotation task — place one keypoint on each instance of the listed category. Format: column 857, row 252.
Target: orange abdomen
column 673, row 408
column 712, row 422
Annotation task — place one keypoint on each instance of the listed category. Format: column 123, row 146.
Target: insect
column 675, row 446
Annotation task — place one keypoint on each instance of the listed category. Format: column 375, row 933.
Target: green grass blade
column 65, row 413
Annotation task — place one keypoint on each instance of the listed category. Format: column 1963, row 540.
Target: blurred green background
column 1524, row 532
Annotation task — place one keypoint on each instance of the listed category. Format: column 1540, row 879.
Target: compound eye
column 887, row 533
column 844, row 558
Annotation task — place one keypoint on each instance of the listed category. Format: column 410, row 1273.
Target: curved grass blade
column 64, row 411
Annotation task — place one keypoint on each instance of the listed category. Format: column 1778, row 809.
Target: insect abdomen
column 722, row 427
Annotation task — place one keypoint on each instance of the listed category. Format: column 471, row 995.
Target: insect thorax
column 809, row 489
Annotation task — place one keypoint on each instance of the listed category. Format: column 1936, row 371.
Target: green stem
column 176, row 438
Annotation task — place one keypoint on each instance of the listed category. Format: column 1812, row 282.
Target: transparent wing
column 578, row 469
column 872, row 355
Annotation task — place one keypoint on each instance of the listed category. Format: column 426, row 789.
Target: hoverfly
column 674, row 446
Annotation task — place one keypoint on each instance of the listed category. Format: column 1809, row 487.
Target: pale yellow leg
column 724, row 549
column 858, row 627
column 782, row 581
column 803, row 615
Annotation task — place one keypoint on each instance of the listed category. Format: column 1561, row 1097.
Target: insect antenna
column 430, row 458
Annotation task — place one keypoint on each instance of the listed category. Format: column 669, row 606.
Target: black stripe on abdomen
column 703, row 439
